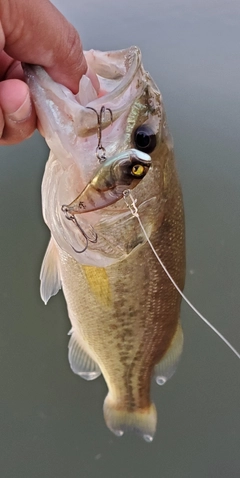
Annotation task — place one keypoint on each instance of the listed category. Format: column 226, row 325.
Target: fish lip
column 132, row 58
column 41, row 85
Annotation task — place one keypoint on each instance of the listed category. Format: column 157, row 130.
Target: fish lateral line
column 131, row 204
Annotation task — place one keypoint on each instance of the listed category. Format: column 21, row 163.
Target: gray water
column 51, row 423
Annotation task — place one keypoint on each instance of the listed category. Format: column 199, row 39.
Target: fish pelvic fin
column 49, row 275
column 142, row 421
column 80, row 361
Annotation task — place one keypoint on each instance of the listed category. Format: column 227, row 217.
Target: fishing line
column 134, row 210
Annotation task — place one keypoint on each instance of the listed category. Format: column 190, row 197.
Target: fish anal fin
column 49, row 275
column 167, row 366
column 80, row 362
column 119, row 420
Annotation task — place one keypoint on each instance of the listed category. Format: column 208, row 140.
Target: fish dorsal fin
column 165, row 369
column 49, row 275
column 80, row 362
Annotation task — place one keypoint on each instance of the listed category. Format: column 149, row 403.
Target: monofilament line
column 133, row 208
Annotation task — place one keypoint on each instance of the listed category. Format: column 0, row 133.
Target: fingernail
column 1, row 123
column 23, row 112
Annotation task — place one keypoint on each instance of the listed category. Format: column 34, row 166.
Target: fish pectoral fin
column 167, row 366
column 80, row 362
column 49, row 275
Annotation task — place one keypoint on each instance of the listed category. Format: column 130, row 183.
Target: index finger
column 37, row 33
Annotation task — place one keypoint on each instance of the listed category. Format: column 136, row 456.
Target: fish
column 124, row 310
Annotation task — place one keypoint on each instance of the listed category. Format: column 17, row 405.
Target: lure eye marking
column 138, row 170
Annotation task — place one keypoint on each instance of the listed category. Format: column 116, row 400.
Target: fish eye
column 145, row 139
column 138, row 170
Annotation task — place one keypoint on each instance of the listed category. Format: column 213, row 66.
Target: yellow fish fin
column 98, row 282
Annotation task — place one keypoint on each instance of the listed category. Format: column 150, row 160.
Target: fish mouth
column 126, row 65
column 121, row 75
column 73, row 128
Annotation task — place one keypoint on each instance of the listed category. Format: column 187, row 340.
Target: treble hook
column 87, row 238
column 100, row 148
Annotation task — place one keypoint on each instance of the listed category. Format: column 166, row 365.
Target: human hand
column 33, row 32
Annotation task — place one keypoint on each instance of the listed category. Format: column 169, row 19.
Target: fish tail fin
column 142, row 420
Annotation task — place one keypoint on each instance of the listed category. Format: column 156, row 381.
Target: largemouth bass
column 123, row 309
